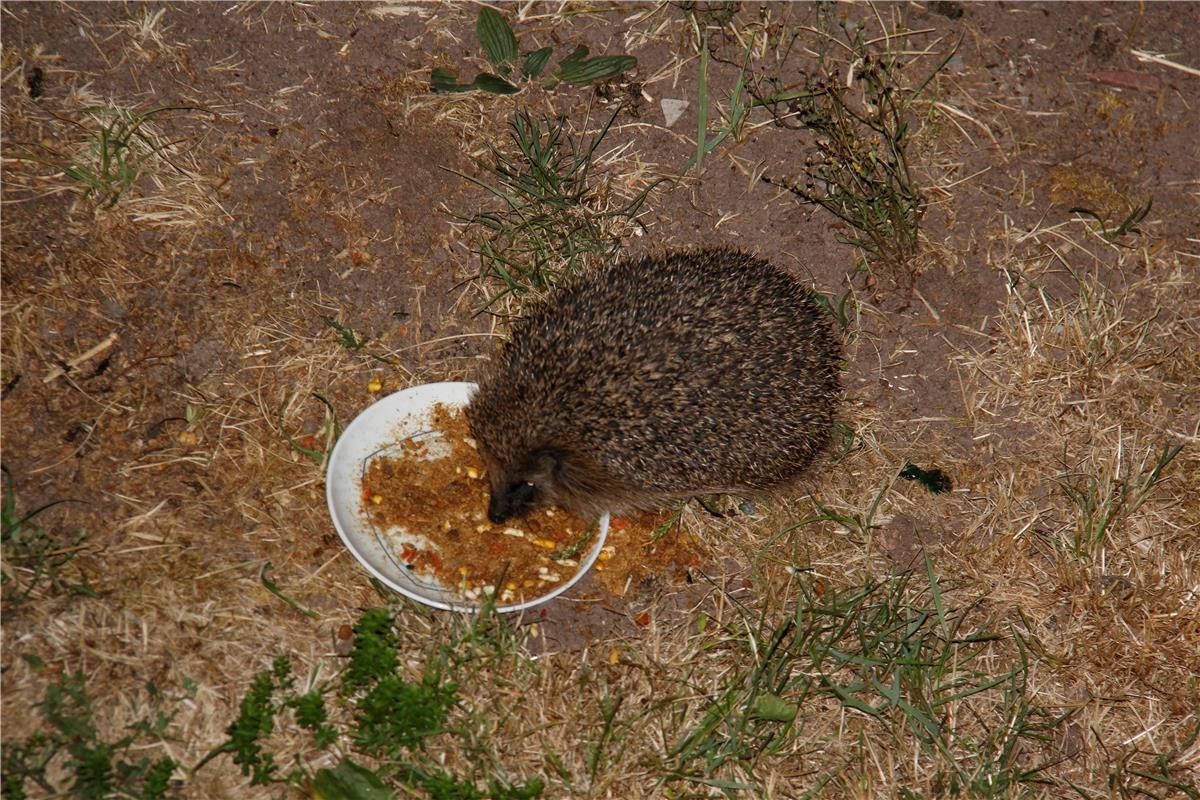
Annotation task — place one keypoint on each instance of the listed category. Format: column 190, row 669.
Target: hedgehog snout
column 511, row 502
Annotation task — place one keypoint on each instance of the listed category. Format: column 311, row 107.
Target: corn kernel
column 472, row 473
column 376, row 499
column 374, row 385
column 545, row 544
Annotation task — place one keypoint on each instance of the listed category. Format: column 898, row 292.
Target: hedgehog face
column 514, row 492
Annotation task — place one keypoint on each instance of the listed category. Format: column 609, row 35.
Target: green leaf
column 490, row 83
column 443, row 80
column 575, row 59
column 349, row 781
column 497, row 40
column 535, row 62
column 774, row 708
column 349, row 340
column 578, row 69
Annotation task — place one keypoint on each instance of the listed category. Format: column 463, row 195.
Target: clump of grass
column 554, row 218
column 71, row 746
column 890, row 650
column 118, row 151
column 385, row 716
column 859, row 168
column 1128, row 225
column 32, row 555
column 1104, row 496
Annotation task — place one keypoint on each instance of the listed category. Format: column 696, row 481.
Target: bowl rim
column 338, row 455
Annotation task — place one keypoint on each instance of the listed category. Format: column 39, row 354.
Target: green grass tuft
column 890, row 651
column 117, row 154
column 553, row 220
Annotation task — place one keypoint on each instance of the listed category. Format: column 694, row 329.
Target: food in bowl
column 427, row 497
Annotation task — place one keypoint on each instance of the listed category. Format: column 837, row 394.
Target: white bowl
column 379, row 428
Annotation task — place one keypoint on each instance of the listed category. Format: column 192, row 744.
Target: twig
column 1142, row 55
column 99, row 348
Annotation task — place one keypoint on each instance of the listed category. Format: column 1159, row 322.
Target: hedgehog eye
column 519, row 494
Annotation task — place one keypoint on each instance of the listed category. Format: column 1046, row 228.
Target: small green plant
column 843, row 309
column 553, row 219
column 859, row 169
column 118, row 151
column 499, row 45
column 346, row 335
column 739, row 106
column 1129, row 225
column 32, row 555
column 331, row 429
column 71, row 741
column 393, row 720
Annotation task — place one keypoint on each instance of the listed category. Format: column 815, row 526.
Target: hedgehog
column 655, row 379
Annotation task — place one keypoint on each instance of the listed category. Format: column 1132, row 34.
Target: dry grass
column 1059, row 538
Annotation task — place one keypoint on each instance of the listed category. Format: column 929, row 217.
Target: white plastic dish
column 374, row 432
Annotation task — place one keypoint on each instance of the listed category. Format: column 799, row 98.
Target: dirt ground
column 158, row 353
